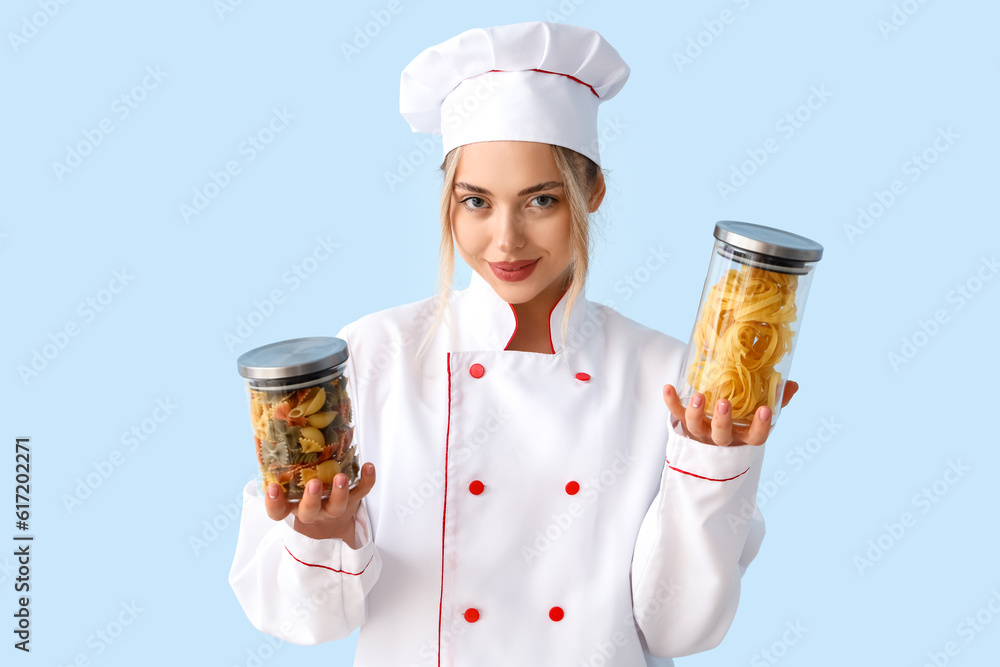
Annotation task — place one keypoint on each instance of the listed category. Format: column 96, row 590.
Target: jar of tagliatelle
column 300, row 411
column 751, row 309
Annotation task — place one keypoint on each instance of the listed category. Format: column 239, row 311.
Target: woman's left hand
column 720, row 430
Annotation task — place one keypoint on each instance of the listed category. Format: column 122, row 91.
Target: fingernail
column 369, row 468
column 341, row 481
column 764, row 413
column 723, row 408
column 696, row 400
column 668, row 390
column 314, row 485
column 272, row 490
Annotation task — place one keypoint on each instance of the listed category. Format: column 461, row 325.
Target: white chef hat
column 534, row 81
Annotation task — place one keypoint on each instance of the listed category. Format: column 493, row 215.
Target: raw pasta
column 304, row 434
column 742, row 334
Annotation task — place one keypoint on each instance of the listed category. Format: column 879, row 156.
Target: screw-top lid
column 768, row 241
column 292, row 358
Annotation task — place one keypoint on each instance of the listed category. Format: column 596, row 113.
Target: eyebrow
column 548, row 185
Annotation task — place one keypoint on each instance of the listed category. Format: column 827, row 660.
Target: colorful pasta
column 304, row 434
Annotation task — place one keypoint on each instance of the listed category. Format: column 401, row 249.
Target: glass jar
column 750, row 311
column 300, row 412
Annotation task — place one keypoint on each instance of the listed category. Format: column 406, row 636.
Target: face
column 511, row 218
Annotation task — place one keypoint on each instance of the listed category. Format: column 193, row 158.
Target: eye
column 474, row 199
column 551, row 201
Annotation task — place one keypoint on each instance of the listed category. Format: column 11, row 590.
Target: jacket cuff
column 331, row 553
column 710, row 462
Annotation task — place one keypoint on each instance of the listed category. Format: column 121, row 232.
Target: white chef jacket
column 530, row 509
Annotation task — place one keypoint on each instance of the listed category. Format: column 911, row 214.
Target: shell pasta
column 743, row 332
column 304, row 434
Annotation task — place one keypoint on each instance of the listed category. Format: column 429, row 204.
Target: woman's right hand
column 322, row 519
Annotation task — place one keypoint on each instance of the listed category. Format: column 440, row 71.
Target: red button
column 477, row 370
column 476, row 487
column 556, row 613
column 472, row 615
column 573, row 488
column 582, row 377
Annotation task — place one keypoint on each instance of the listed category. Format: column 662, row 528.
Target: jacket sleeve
column 694, row 544
column 299, row 589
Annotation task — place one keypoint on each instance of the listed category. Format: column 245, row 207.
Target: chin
column 515, row 293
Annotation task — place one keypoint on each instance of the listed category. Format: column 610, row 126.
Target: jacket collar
column 495, row 321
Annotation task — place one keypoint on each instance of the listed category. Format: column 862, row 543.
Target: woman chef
column 543, row 497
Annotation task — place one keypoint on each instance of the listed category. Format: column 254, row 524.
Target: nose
column 508, row 235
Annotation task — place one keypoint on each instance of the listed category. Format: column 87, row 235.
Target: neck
column 533, row 319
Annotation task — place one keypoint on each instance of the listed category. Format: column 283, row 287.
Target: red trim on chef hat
column 498, row 83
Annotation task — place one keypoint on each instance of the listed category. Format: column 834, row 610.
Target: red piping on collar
column 549, row 320
column 515, row 326
column 560, row 74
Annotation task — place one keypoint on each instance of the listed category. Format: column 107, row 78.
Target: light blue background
column 681, row 130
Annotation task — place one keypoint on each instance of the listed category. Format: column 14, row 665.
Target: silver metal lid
column 292, row 358
column 768, row 241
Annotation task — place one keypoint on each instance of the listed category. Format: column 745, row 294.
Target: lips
column 513, row 266
column 512, row 272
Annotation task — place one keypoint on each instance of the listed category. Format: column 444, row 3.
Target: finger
column 335, row 505
column 695, row 417
column 761, row 426
column 789, row 391
column 278, row 506
column 722, row 423
column 309, row 505
column 673, row 402
column 365, row 485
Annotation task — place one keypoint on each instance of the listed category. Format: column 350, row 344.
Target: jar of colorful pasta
column 300, row 411
column 751, row 309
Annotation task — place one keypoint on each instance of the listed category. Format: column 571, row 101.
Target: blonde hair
column 579, row 175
